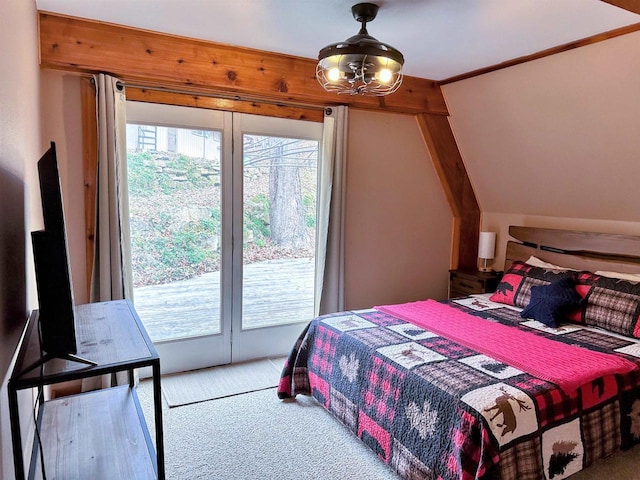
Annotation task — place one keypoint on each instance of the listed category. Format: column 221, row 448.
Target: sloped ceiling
column 439, row 38
column 557, row 136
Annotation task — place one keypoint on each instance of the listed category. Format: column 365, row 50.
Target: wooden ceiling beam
column 447, row 161
column 315, row 114
column 630, row 5
column 148, row 58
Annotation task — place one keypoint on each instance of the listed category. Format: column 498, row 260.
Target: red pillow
column 584, row 281
column 515, row 286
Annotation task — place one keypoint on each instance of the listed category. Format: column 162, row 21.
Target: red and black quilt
column 440, row 408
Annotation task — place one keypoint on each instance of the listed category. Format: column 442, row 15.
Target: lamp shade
column 487, row 245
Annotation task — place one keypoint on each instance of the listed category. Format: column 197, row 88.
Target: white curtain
column 111, row 275
column 329, row 285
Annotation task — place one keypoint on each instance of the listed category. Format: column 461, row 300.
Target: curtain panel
column 111, row 276
column 329, row 285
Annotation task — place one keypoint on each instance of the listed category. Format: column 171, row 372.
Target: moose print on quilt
column 510, row 412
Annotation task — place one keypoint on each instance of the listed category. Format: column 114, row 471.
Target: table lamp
column 486, row 249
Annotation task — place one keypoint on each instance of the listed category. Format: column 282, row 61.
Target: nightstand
column 467, row 282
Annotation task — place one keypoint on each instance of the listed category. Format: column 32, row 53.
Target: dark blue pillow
column 550, row 303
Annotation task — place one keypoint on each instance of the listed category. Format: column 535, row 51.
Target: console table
column 99, row 434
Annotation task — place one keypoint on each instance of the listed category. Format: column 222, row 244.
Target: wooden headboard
column 574, row 249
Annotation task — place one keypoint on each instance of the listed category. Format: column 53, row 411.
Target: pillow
column 584, row 281
column 611, row 303
column 632, row 277
column 536, row 262
column 515, row 286
column 550, row 303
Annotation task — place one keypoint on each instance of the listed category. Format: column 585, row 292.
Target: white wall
column 20, row 147
column 555, row 137
column 398, row 221
column 555, row 142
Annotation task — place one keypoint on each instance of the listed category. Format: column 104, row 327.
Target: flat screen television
column 56, row 319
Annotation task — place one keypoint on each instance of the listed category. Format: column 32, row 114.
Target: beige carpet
column 258, row 437
column 218, row 382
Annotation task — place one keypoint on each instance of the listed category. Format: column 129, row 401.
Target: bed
column 472, row 388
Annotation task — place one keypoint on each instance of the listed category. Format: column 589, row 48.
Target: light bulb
column 333, row 74
column 385, row 75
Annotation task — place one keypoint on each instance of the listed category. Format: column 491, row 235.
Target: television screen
column 53, row 275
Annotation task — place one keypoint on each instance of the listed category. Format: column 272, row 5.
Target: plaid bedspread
column 436, row 410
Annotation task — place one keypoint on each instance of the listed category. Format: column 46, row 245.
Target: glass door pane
column 179, row 172
column 279, row 215
column 175, row 219
column 274, row 196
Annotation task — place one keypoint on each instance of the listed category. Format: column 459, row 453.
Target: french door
column 222, row 217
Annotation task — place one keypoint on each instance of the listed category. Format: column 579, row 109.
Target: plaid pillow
column 550, row 303
column 584, row 281
column 610, row 303
column 515, row 286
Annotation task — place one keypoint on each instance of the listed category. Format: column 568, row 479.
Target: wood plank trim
column 545, row 53
column 453, row 176
column 90, row 169
column 214, row 103
column 155, row 59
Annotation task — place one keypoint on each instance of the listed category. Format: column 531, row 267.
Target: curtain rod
column 238, row 98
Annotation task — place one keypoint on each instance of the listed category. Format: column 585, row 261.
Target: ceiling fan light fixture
column 360, row 65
